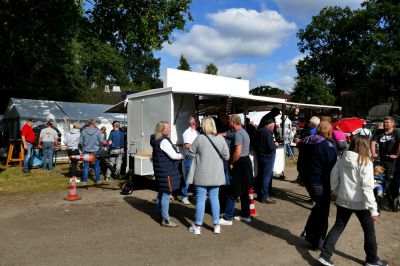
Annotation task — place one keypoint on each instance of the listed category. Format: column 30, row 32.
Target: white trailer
column 186, row 93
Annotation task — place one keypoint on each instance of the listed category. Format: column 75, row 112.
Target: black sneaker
column 377, row 263
column 326, row 262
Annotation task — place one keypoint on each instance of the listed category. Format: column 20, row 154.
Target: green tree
column 136, row 28
column 36, row 49
column 355, row 52
column 183, row 64
column 266, row 91
column 211, row 69
column 312, row 89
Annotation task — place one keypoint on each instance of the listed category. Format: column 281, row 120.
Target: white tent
column 62, row 114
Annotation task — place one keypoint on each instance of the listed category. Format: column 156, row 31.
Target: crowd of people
column 216, row 155
column 89, row 140
column 327, row 166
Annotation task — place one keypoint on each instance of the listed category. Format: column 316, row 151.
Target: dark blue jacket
column 317, row 156
column 265, row 145
column 167, row 171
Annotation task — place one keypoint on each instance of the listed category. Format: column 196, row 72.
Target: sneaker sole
column 324, row 262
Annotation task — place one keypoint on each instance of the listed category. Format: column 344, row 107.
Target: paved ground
column 106, row 228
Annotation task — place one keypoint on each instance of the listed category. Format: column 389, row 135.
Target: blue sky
column 252, row 39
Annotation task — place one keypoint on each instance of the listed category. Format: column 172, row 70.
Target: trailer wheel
column 127, row 188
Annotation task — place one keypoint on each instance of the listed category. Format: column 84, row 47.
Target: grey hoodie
column 354, row 184
column 91, row 139
column 72, row 138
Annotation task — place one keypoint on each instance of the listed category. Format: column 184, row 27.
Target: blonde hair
column 208, row 125
column 91, row 122
column 159, row 129
column 360, row 145
column 76, row 125
column 117, row 124
column 325, row 129
column 379, row 169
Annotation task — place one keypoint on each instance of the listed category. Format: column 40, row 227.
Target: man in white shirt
column 365, row 131
column 189, row 136
column 48, row 141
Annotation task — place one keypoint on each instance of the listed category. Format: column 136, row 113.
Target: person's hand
column 393, row 156
column 25, row 146
column 374, row 218
column 39, row 146
column 231, row 166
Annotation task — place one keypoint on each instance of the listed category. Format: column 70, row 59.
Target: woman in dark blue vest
column 167, row 169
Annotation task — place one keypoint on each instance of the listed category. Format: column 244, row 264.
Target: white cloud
column 245, row 71
column 233, row 33
column 285, row 83
column 289, row 65
column 304, row 9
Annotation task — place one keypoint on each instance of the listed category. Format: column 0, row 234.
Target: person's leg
column 118, row 163
column 370, row 246
column 312, row 227
column 342, row 217
column 45, row 151
column 74, row 163
column 230, row 208
column 50, row 154
column 185, row 187
column 201, row 195
column 267, row 178
column 245, row 205
column 97, row 169
column 163, row 204
column 27, row 156
column 260, row 177
column 292, row 148
column 213, row 193
column 85, row 171
column 110, row 165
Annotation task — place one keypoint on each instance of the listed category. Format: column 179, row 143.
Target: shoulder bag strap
column 219, row 154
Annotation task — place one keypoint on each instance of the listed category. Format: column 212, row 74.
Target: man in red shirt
column 28, row 139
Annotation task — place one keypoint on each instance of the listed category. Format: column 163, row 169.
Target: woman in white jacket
column 352, row 180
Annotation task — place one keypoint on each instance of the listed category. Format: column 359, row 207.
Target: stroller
column 391, row 189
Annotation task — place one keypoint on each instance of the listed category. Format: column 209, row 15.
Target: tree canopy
column 267, row 91
column 211, row 69
column 183, row 64
column 58, row 50
column 355, row 52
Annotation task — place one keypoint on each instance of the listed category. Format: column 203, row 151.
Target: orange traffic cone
column 252, row 205
column 72, row 195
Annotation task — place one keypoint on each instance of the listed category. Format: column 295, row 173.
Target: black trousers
column 317, row 223
column 74, row 162
column 342, row 217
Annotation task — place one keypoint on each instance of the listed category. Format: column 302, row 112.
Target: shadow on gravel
column 293, row 197
column 177, row 211
column 349, row 257
column 284, row 234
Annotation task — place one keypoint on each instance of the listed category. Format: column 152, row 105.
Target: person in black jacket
column 166, row 165
column 266, row 150
column 317, row 156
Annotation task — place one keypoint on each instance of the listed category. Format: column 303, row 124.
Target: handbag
column 224, row 162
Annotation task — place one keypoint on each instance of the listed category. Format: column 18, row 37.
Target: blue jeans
column 48, row 152
column 244, row 208
column 201, row 195
column 264, row 178
column 27, row 156
column 186, row 163
column 163, row 204
column 96, row 168
column 290, row 151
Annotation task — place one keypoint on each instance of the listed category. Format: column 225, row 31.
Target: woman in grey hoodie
column 207, row 172
column 72, row 142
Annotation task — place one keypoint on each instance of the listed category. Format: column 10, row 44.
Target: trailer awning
column 313, row 106
column 118, row 108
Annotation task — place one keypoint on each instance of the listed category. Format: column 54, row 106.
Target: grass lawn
column 14, row 180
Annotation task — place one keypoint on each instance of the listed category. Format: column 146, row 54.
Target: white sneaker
column 77, row 180
column 242, row 219
column 194, row 229
column 217, row 229
column 185, row 201
column 222, row 221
